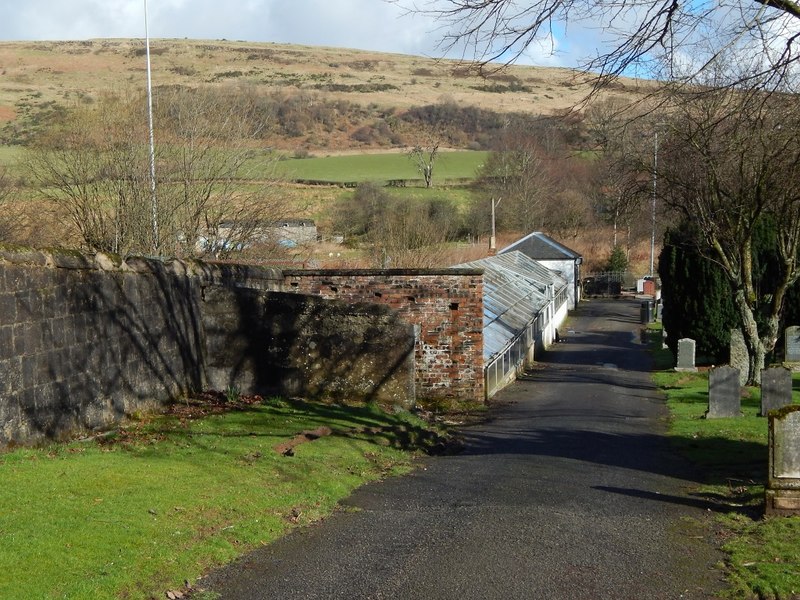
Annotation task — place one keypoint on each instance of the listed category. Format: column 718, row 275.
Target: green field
column 449, row 166
column 380, row 167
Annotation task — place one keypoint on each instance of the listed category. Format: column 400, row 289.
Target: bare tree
column 216, row 193
column 520, row 175
column 95, row 167
column 424, row 157
column 411, row 236
column 731, row 162
column 9, row 218
column 667, row 39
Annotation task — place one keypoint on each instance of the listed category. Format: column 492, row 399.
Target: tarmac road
column 569, row 492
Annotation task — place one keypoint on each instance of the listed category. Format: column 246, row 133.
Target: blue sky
column 362, row 24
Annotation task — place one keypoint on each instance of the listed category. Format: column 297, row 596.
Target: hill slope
column 40, row 77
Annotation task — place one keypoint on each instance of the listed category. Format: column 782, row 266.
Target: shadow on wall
column 296, row 345
column 85, row 341
column 89, row 346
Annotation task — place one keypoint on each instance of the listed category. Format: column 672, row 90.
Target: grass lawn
column 164, row 499
column 763, row 555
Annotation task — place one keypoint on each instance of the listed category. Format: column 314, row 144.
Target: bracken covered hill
column 358, row 87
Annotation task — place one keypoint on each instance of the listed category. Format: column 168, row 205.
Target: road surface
column 570, row 491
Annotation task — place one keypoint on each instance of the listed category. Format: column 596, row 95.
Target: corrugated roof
column 515, row 289
column 540, row 246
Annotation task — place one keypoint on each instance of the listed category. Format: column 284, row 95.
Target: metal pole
column 153, row 198
column 493, row 237
column 655, row 182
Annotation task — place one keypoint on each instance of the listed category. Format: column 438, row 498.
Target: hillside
column 40, row 77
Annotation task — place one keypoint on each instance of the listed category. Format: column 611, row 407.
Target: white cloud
column 363, row 24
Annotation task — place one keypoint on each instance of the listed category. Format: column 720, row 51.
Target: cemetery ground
column 138, row 512
column 732, row 453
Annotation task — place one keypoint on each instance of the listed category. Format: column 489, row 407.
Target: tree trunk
column 755, row 346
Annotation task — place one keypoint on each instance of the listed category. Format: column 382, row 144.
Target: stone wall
column 446, row 306
column 85, row 341
column 296, row 345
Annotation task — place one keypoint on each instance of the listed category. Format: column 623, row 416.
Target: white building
column 556, row 257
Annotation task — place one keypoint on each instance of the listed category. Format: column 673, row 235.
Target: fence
column 519, row 353
column 505, row 366
column 608, row 283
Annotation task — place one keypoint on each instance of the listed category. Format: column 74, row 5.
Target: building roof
column 540, row 246
column 515, row 289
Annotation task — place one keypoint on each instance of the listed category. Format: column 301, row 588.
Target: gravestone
column 776, row 389
column 686, row 355
column 724, row 393
column 739, row 357
column 792, row 337
column 783, row 483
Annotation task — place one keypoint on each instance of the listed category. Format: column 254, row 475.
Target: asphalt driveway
column 570, row 491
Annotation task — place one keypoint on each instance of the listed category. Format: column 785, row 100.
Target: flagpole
column 153, row 198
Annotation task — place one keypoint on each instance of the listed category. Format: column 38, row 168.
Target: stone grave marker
column 792, row 337
column 686, row 355
column 783, row 483
column 724, row 393
column 739, row 358
column 776, row 389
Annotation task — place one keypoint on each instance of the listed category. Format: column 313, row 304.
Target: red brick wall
column 445, row 305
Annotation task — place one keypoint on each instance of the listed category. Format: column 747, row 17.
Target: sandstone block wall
column 84, row 342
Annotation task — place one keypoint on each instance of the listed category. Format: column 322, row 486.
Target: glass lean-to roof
column 516, row 289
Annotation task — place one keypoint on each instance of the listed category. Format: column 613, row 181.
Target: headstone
column 739, row 357
column 724, row 393
column 776, row 389
column 792, row 336
column 783, row 483
column 686, row 355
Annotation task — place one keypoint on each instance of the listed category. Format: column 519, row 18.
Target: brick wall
column 446, row 306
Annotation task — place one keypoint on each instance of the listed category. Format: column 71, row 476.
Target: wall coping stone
column 378, row 272
column 209, row 272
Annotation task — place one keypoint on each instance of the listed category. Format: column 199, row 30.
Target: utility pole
column 153, row 199
column 653, row 214
column 493, row 237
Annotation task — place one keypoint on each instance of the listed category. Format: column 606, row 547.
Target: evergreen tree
column 697, row 297
column 617, row 261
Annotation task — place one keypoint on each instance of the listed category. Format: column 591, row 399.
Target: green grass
column 763, row 555
column 380, row 167
column 164, row 500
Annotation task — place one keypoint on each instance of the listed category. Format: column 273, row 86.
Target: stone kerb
column 783, row 483
column 724, row 393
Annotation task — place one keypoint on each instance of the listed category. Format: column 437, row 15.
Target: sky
column 361, row 24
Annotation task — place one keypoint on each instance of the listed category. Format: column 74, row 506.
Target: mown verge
column 762, row 555
column 147, row 509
